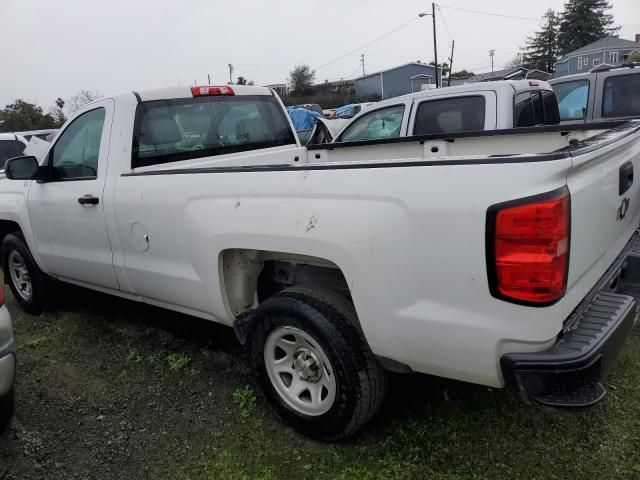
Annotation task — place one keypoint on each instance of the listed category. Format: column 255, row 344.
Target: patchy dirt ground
column 111, row 389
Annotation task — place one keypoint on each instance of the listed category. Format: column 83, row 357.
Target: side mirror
column 23, row 168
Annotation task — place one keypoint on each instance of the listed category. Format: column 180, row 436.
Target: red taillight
column 210, row 91
column 530, row 256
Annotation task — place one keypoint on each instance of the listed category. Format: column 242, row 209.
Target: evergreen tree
column 584, row 22
column 541, row 50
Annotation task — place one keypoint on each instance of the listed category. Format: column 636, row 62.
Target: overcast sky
column 56, row 48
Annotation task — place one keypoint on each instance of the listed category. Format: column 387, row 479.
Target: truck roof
column 188, row 92
column 513, row 86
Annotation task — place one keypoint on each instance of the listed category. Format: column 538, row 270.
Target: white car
column 507, row 258
column 11, row 145
column 7, row 363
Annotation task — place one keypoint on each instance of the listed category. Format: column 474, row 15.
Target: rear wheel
column 313, row 363
column 30, row 285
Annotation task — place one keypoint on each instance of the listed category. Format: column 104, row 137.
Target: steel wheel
column 20, row 276
column 300, row 371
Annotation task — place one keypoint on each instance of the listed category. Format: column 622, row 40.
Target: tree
column 541, row 51
column 241, row 81
column 21, row 115
column 443, row 66
column 515, row 62
column 634, row 57
column 462, row 74
column 584, row 22
column 57, row 113
column 78, row 101
column 301, row 79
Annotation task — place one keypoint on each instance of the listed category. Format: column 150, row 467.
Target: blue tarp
column 303, row 119
column 346, row 111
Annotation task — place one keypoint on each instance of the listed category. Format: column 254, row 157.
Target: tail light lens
column 528, row 248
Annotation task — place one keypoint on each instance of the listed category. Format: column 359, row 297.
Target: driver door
column 67, row 210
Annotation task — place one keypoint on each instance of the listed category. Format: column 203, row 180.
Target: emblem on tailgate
column 623, row 208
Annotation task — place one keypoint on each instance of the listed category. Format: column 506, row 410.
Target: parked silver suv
column 7, row 363
column 606, row 93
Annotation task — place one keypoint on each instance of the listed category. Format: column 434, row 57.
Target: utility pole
column 453, row 42
column 208, row 79
column 230, row 73
column 491, row 54
column 362, row 61
column 435, row 45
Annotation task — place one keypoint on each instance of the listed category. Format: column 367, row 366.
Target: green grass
column 212, row 424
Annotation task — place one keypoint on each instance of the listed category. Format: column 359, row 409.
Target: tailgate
column 605, row 205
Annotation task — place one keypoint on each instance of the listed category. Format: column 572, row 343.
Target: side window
column 572, row 98
column 524, row 113
column 620, row 97
column 450, row 115
column 75, row 154
column 536, row 100
column 550, row 110
column 380, row 124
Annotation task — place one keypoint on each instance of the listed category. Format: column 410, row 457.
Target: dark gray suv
column 606, row 93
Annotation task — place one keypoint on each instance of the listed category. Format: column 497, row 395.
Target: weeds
column 178, row 362
column 134, row 356
column 245, row 398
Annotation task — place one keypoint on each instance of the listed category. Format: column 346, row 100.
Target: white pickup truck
column 503, row 258
column 464, row 108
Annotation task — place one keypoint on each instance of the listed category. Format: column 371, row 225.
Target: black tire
column 40, row 281
column 330, row 319
column 7, row 407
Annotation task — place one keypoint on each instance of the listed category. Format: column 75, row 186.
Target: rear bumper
column 570, row 373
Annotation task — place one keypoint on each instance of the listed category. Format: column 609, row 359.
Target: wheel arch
column 248, row 277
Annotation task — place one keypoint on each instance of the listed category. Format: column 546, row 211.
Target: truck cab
column 453, row 110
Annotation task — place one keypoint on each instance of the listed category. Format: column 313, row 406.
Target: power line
column 489, row 13
column 444, row 22
column 367, row 44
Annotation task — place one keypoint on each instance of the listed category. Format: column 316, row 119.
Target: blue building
column 395, row 81
column 608, row 50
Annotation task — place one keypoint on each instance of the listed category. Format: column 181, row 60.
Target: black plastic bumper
column 570, row 373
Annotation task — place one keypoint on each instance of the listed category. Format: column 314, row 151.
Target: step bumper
column 570, row 373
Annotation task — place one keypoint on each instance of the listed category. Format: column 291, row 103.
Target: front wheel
column 30, row 285
column 314, row 364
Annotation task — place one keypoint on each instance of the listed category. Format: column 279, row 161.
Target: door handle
column 626, row 177
column 88, row 200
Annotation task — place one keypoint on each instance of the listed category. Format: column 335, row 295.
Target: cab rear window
column 183, row 129
column 621, row 96
column 450, row 115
